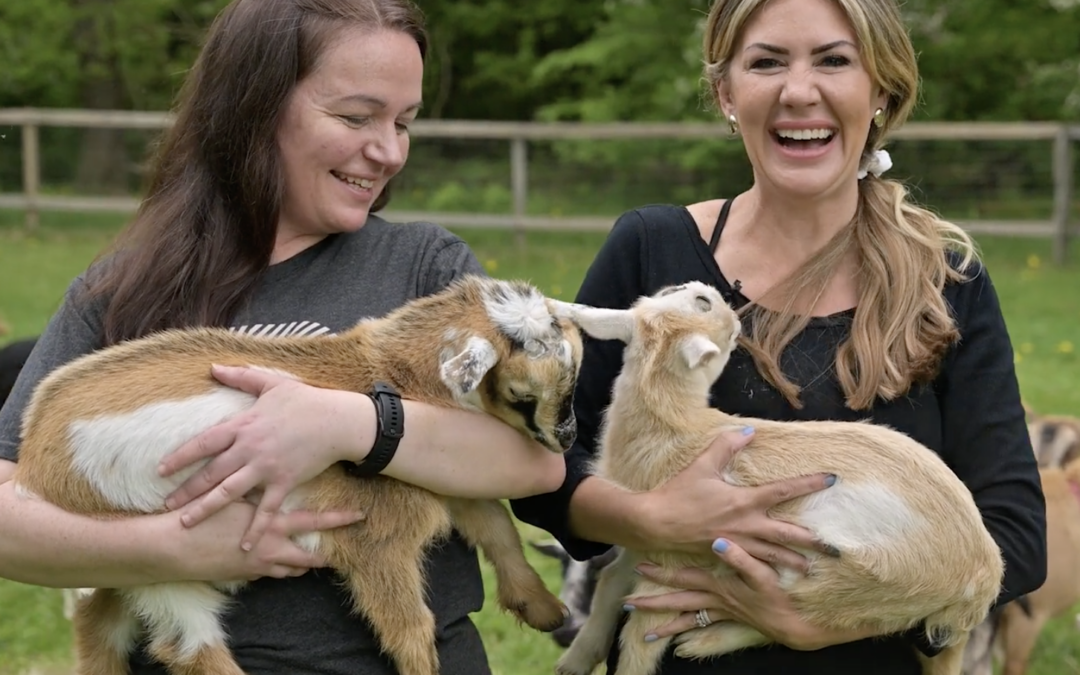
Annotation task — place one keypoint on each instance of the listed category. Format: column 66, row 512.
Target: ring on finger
column 701, row 618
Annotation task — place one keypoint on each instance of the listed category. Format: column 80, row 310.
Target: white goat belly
column 851, row 517
column 119, row 454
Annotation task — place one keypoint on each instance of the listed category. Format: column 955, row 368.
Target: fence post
column 519, row 185
column 31, row 165
column 1063, row 180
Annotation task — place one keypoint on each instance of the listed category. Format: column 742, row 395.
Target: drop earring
column 733, row 124
column 879, row 118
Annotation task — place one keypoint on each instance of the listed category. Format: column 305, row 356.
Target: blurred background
column 543, row 122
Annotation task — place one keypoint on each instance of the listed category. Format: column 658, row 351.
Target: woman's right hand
column 696, row 507
column 209, row 551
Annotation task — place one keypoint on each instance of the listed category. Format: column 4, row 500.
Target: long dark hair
column 206, row 227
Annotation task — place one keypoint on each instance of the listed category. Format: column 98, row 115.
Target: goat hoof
column 563, row 667
column 546, row 614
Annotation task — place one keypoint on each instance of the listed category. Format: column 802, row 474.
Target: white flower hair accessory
column 879, row 163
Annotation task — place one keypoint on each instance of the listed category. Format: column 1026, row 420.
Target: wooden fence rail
column 519, row 134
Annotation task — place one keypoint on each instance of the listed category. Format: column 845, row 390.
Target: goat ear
column 697, row 350
column 599, row 322
column 462, row 372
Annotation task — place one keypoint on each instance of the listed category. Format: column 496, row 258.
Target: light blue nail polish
column 652, row 637
column 720, row 545
column 746, row 431
column 830, row 480
column 628, row 608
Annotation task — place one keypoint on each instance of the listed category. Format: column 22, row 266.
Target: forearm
column 602, row 512
column 460, row 453
column 43, row 545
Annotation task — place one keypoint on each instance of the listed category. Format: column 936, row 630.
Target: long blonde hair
column 902, row 325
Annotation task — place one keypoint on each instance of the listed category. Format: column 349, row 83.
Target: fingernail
column 161, row 469
column 830, row 480
column 643, row 568
column 652, row 637
column 246, row 546
column 170, row 504
column 185, row 520
column 832, row 551
column 720, row 545
column 746, row 431
column 628, row 608
column 357, row 517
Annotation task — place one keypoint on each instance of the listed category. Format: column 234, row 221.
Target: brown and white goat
column 1012, row 631
column 96, row 429
column 892, row 495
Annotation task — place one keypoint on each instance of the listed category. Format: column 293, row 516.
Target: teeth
column 362, row 182
column 804, row 134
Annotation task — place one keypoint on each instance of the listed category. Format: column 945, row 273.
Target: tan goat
column 96, row 429
column 1012, row 631
column 1055, row 439
column 892, row 493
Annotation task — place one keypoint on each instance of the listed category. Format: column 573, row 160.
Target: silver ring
column 701, row 619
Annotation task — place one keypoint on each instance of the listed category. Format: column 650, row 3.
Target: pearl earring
column 879, row 118
column 733, row 124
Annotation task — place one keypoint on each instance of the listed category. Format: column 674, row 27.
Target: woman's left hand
column 291, row 434
column 752, row 595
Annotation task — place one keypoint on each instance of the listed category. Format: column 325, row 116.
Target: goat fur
column 1011, row 633
column 96, row 429
column 892, row 510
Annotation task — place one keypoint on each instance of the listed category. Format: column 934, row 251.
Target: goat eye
column 702, row 303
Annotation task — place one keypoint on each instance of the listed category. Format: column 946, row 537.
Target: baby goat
column 96, row 429
column 892, row 494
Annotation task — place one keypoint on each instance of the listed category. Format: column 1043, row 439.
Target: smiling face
column 803, row 99
column 344, row 132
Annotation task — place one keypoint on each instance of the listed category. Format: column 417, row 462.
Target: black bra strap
column 721, row 220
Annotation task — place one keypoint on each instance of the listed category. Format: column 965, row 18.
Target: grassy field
column 1041, row 303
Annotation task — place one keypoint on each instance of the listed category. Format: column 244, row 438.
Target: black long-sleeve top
column 970, row 415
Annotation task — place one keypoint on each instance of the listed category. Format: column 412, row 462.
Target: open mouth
column 363, row 183
column 804, row 139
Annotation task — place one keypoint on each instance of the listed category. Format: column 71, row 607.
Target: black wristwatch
column 391, row 419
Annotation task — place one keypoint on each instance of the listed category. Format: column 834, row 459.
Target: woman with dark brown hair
column 260, row 216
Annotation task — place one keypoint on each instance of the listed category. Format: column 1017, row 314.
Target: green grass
column 1041, row 304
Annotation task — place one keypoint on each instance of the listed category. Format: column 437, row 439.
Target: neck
column 795, row 228
column 667, row 405
column 286, row 246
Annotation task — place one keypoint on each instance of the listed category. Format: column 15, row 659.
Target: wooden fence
column 519, row 134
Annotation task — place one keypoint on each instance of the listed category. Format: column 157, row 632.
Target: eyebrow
column 375, row 101
column 815, row 50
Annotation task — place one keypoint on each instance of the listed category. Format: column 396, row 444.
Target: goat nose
column 566, row 433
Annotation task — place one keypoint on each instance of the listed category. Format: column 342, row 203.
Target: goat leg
column 105, row 633
column 183, row 619
column 487, row 525
column 950, row 661
column 594, row 640
column 386, row 581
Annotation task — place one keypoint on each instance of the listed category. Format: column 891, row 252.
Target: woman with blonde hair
column 857, row 304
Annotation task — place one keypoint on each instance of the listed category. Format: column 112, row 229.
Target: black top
column 970, row 415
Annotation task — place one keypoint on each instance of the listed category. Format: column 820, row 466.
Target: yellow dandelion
column 491, row 264
column 1065, row 347
column 556, row 290
column 1027, row 347
column 1033, row 261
